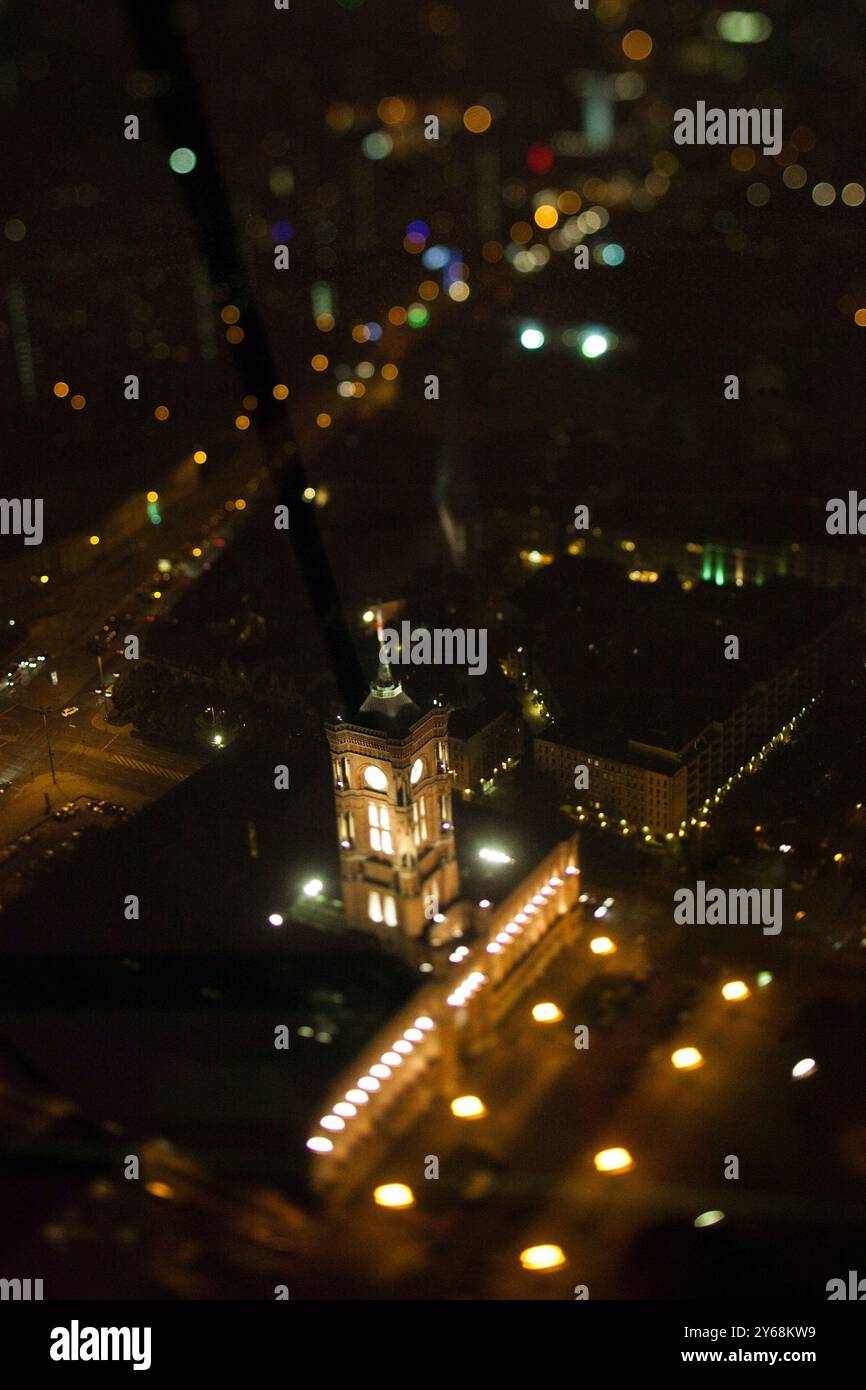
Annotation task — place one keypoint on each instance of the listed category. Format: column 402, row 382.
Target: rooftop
column 614, row 655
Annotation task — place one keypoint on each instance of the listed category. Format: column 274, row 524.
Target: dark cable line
column 164, row 52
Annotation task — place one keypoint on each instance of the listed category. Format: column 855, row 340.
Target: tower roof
column 388, row 705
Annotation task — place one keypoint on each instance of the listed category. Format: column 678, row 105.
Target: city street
column 523, row 1174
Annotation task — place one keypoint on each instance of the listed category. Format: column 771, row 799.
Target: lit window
column 374, row 908
column 380, row 829
column 390, row 911
column 419, row 822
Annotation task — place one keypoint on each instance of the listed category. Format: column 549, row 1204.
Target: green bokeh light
column 182, row 160
column 377, row 145
column 743, row 26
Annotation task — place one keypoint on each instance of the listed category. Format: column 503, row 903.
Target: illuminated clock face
column 417, row 771
column 375, row 778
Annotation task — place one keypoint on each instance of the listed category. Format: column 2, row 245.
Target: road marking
column 149, row 767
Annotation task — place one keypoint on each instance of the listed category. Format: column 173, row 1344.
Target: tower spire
column 387, row 702
column 384, row 676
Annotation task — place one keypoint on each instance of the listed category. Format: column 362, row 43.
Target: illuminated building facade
column 392, row 788
column 660, row 788
column 646, row 787
column 483, row 743
column 417, row 1055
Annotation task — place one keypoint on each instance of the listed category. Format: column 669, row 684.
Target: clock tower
column 392, row 789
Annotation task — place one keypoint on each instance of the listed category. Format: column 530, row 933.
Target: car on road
column 70, row 709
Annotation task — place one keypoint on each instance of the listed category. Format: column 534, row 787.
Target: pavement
column 92, row 761
column 524, row 1175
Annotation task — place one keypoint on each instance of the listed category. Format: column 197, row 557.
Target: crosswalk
column 153, row 768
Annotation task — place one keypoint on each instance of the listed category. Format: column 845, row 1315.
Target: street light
column 45, row 713
column 540, row 1257
column 613, row 1161
column 468, row 1108
column 102, row 683
column 735, row 990
column 594, row 345
column 687, row 1058
column 396, row 1195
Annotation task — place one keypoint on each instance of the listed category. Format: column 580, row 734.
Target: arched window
column 374, row 908
column 390, row 911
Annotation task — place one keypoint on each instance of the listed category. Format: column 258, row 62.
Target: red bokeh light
column 539, row 159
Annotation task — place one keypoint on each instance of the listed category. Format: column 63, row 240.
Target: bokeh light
column 532, row 339
column 477, row 119
column 637, row 45
column 182, row 160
